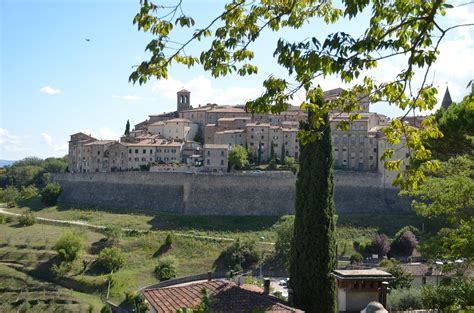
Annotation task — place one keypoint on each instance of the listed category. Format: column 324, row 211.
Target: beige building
column 96, row 157
column 215, row 157
column 77, row 155
column 177, row 128
column 230, row 137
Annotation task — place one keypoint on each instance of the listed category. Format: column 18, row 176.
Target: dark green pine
column 313, row 252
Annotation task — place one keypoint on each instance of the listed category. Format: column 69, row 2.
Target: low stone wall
column 267, row 193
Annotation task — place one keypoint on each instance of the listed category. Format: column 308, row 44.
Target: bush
column 112, row 234
column 106, row 309
column 1, row 218
column 166, row 268
column 9, row 195
column 284, row 233
column 403, row 299
column 111, row 259
column 380, row 245
column 402, row 278
column 50, row 194
column 70, row 245
column 27, row 219
column 404, row 244
column 356, row 258
column 140, row 303
column 291, row 164
column 244, row 254
column 169, row 240
column 29, row 192
column 272, row 165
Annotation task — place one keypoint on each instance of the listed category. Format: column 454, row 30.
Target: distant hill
column 6, row 162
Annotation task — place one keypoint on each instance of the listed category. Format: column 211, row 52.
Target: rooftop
column 228, row 298
column 99, row 142
column 215, row 146
column 371, row 274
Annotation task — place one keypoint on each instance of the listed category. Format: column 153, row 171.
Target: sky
column 55, row 83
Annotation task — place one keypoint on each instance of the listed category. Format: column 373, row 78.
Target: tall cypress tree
column 313, row 250
column 127, row 128
column 272, row 152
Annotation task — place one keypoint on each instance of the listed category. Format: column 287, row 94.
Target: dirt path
column 99, row 227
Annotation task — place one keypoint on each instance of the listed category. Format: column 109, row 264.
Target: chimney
column 383, row 290
column 209, row 276
column 266, row 286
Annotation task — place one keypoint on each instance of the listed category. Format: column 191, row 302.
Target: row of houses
column 204, row 135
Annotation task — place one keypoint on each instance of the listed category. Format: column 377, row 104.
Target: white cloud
column 104, row 133
column 11, row 144
column 50, row 90
column 48, row 139
column 203, row 92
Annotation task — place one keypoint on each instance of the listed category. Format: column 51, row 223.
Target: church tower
column 183, row 100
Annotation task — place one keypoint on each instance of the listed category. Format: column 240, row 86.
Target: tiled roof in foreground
column 229, row 298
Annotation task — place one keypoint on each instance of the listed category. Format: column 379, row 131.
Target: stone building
column 215, row 157
column 77, row 152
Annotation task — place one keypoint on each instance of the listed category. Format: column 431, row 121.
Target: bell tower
column 183, row 100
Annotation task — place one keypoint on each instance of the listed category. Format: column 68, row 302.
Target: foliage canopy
column 395, row 28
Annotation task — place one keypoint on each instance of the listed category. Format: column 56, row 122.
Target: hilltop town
column 200, row 138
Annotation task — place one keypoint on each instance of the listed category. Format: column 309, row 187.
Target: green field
column 26, row 254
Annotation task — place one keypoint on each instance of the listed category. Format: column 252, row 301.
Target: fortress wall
column 221, row 194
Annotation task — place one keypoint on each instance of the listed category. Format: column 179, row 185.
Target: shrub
column 291, row 163
column 380, row 245
column 402, row 279
column 29, row 192
column 284, row 233
column 1, row 218
column 27, row 219
column 62, row 269
column 112, row 234
column 106, row 309
column 9, row 195
column 356, row 258
column 140, row 303
column 404, row 244
column 272, row 165
column 402, row 300
column 111, row 259
column 244, row 254
column 50, row 193
column 169, row 240
column 166, row 268
column 70, row 245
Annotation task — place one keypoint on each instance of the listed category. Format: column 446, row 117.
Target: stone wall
column 269, row 193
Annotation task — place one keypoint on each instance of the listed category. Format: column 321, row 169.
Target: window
column 136, row 150
column 151, row 159
column 158, row 150
column 375, row 149
column 353, row 139
column 129, row 150
column 151, row 151
column 345, row 140
column 361, row 139
column 371, row 157
column 144, row 151
column 222, row 162
column 251, row 136
column 208, row 162
column 144, row 159
column 98, row 152
column 129, row 159
column 251, row 143
column 336, row 139
column 222, row 153
column 336, row 149
column 208, row 154
column 423, row 280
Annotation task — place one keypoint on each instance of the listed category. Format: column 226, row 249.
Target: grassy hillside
column 26, row 254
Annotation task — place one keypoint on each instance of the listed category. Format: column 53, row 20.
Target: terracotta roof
column 229, row 298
